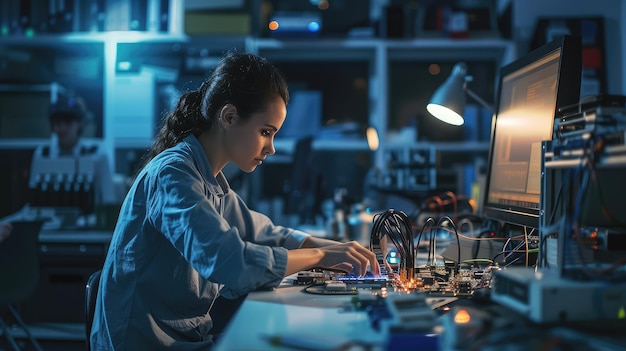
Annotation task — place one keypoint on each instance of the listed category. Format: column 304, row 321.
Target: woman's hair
column 246, row 81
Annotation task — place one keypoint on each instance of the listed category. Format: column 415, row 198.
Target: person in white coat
column 76, row 164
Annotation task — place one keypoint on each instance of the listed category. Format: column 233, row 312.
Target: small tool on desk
column 317, row 342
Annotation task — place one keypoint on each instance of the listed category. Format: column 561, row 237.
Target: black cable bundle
column 430, row 223
column 398, row 228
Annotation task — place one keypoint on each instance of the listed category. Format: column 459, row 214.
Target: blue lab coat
column 182, row 237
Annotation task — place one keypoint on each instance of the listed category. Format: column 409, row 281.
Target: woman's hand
column 350, row 257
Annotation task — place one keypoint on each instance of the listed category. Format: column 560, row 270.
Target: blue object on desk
column 407, row 341
column 314, row 342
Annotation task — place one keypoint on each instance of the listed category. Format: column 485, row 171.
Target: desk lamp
column 448, row 101
column 371, row 134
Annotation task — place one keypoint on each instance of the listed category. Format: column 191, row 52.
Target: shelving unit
column 129, row 96
column 380, row 54
column 129, row 88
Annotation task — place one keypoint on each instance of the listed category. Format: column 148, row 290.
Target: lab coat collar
column 193, row 144
column 77, row 150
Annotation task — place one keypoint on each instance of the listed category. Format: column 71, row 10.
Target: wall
column 525, row 12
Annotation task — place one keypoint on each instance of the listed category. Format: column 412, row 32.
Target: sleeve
column 179, row 207
column 261, row 230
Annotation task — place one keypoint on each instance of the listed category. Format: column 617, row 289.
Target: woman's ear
column 228, row 115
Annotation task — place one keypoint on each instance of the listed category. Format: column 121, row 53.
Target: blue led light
column 313, row 26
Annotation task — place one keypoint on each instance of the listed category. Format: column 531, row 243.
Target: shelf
column 461, row 146
column 501, row 50
column 314, row 49
column 376, row 55
column 92, row 37
column 283, row 146
column 397, row 48
column 450, row 146
column 20, row 143
column 349, row 43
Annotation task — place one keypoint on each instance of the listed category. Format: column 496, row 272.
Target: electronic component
column 546, row 297
column 295, row 24
column 409, row 312
column 364, row 282
column 310, row 278
column 591, row 116
column 333, row 285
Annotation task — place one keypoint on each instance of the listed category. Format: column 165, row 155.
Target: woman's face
column 249, row 142
column 67, row 131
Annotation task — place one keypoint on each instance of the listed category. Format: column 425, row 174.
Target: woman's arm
column 313, row 241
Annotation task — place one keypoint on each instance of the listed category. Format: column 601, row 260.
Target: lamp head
column 448, row 101
column 371, row 134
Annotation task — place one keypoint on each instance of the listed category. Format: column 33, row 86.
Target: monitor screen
column 530, row 91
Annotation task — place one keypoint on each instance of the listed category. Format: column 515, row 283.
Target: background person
column 88, row 171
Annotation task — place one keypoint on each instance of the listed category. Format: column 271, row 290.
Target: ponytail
column 246, row 81
column 185, row 119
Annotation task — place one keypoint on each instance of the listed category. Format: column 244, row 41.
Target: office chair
column 91, row 292
column 19, row 276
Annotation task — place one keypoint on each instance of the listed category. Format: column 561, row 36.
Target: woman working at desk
column 183, row 237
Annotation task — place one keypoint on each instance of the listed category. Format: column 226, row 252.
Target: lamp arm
column 478, row 98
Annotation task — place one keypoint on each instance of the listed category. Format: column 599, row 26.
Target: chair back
column 19, row 262
column 91, row 293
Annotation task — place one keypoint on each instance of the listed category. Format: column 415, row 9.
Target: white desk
column 327, row 322
column 289, row 312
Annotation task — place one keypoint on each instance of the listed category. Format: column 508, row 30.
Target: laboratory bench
column 290, row 318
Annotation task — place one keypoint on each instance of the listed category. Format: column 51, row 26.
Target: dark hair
column 66, row 109
column 247, row 81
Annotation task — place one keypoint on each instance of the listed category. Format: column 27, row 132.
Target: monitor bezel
column 569, row 76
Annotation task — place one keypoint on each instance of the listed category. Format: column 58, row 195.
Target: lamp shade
column 372, row 138
column 448, row 101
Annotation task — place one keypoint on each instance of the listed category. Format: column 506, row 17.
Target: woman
column 184, row 238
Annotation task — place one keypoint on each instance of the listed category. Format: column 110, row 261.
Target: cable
column 396, row 226
column 430, row 221
column 455, row 202
column 476, row 244
column 484, row 260
column 512, row 252
column 458, row 241
column 526, row 241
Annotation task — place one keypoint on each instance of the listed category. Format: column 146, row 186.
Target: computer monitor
column 530, row 91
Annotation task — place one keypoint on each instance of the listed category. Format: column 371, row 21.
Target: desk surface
column 325, row 322
column 75, row 236
column 288, row 311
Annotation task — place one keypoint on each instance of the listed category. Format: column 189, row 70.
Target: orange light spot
column 462, row 317
column 273, row 25
column 434, row 69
